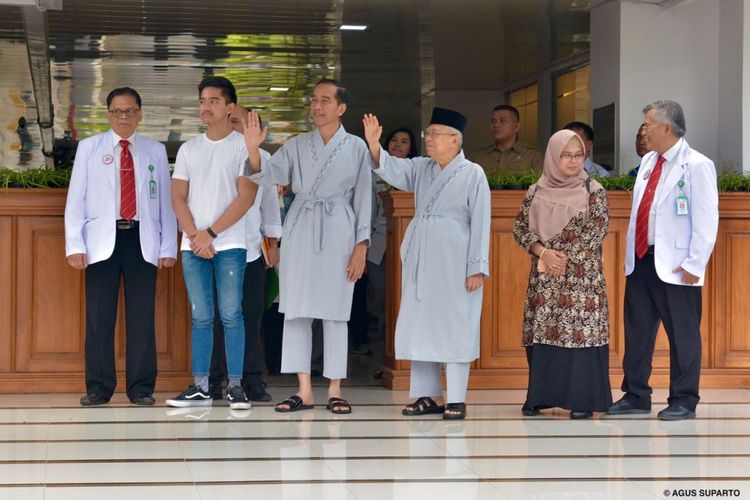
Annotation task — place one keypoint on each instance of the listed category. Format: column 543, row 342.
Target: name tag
column 681, row 205
column 151, row 184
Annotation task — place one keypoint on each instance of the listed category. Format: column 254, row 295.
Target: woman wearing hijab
column 562, row 223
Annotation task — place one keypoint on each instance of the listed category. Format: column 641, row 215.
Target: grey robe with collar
column 330, row 214
column 447, row 240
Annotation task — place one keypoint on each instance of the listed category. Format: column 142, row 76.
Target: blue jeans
column 228, row 269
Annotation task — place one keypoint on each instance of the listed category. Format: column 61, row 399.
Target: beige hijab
column 558, row 198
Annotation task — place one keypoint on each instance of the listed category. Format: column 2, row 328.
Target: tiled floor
column 50, row 448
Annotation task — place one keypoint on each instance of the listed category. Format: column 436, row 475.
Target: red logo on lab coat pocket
column 108, row 159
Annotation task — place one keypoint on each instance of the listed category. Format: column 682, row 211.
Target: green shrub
column 34, row 178
column 621, row 183
column 729, row 182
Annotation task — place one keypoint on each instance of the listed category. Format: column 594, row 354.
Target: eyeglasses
column 129, row 112
column 569, row 156
column 646, row 126
column 431, row 133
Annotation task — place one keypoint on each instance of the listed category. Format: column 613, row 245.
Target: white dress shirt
column 669, row 156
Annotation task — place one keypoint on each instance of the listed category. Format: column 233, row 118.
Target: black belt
column 127, row 224
column 650, row 250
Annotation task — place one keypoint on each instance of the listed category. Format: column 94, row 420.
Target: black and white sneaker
column 192, row 396
column 237, row 398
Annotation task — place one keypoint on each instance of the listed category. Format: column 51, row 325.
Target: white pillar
column 682, row 51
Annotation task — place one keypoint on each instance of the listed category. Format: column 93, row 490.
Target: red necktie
column 641, row 220
column 127, row 182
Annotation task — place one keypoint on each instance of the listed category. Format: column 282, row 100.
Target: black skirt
column 571, row 378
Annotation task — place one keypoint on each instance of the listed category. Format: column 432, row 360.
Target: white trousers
column 296, row 347
column 425, row 380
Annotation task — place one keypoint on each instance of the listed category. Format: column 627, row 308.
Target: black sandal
column 458, row 411
column 422, row 406
column 294, row 403
column 339, row 406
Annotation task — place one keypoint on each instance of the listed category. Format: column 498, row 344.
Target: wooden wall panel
column 732, row 345
column 42, row 304
column 42, row 299
column 503, row 304
column 50, row 321
column 7, row 284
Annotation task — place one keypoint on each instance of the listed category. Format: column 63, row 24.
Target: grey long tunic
column 447, row 240
column 330, row 214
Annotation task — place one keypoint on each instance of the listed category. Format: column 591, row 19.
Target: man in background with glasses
column 119, row 224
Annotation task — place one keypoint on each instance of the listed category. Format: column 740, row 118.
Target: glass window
column 573, row 97
column 526, row 101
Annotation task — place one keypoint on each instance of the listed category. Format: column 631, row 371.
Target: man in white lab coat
column 119, row 223
column 673, row 225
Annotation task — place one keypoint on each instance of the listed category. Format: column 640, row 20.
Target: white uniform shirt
column 263, row 218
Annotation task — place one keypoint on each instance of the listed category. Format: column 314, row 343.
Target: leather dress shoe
column 143, row 400
column 257, row 393
column 676, row 412
column 93, row 400
column 579, row 415
column 625, row 407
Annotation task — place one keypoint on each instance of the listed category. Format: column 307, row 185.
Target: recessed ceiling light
column 278, row 89
column 353, row 27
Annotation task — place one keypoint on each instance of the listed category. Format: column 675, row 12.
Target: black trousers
column 102, row 290
column 253, row 306
column 359, row 320
column 649, row 301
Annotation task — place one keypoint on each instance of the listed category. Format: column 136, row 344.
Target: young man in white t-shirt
column 210, row 196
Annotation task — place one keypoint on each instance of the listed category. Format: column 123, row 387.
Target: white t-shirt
column 212, row 168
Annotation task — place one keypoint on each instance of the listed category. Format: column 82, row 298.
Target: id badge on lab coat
column 681, row 205
column 152, row 184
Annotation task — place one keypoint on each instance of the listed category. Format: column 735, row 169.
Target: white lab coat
column 679, row 240
column 90, row 216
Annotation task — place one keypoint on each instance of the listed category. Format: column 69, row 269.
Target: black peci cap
column 448, row 117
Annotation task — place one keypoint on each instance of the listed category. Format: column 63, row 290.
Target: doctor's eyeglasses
column 570, row 156
column 119, row 113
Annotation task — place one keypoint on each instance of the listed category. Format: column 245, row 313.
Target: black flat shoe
column 530, row 411
column 625, row 407
column 579, row 415
column 676, row 412
column 143, row 400
column 93, row 400
column 257, row 392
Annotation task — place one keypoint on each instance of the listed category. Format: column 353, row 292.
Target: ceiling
column 164, row 47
